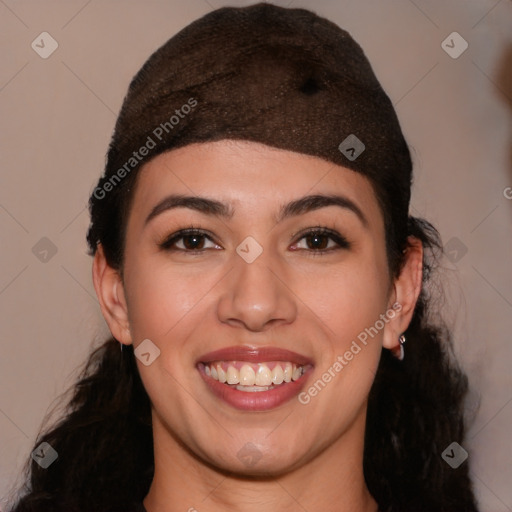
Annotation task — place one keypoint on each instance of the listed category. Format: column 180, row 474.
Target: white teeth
column 297, row 373
column 277, row 374
column 247, row 379
column 232, row 376
column 221, row 373
column 253, row 388
column 288, row 372
column 247, row 376
column 263, row 376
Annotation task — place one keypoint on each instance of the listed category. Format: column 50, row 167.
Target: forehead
column 254, row 178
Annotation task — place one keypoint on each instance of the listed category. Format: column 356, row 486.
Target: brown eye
column 322, row 240
column 187, row 240
column 193, row 242
column 317, row 241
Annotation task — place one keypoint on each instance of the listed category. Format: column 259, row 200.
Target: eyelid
column 340, row 240
column 171, row 239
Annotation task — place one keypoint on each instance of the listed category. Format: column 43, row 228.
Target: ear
column 406, row 290
column 110, row 291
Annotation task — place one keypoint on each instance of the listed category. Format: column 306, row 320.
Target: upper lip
column 254, row 355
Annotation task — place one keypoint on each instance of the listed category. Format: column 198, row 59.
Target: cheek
column 349, row 298
column 161, row 296
column 350, row 301
column 167, row 305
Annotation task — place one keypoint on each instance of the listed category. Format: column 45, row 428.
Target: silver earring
column 401, row 339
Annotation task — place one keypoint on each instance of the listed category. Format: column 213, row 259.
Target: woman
column 272, row 341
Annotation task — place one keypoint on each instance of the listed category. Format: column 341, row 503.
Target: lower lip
column 257, row 400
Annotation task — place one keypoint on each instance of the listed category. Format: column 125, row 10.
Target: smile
column 254, row 379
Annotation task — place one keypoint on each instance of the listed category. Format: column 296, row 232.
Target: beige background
column 57, row 115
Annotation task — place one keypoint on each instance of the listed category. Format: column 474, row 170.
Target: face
column 295, row 293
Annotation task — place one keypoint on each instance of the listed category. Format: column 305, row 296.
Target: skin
column 188, row 305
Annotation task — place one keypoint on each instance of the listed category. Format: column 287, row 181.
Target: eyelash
column 317, row 230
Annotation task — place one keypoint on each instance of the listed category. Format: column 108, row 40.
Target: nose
column 257, row 295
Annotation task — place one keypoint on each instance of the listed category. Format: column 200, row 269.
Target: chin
column 250, row 461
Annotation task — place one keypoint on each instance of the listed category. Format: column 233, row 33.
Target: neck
column 333, row 480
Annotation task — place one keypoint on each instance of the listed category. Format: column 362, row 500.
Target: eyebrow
column 218, row 209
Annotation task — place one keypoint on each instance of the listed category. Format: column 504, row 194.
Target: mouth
column 254, row 379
